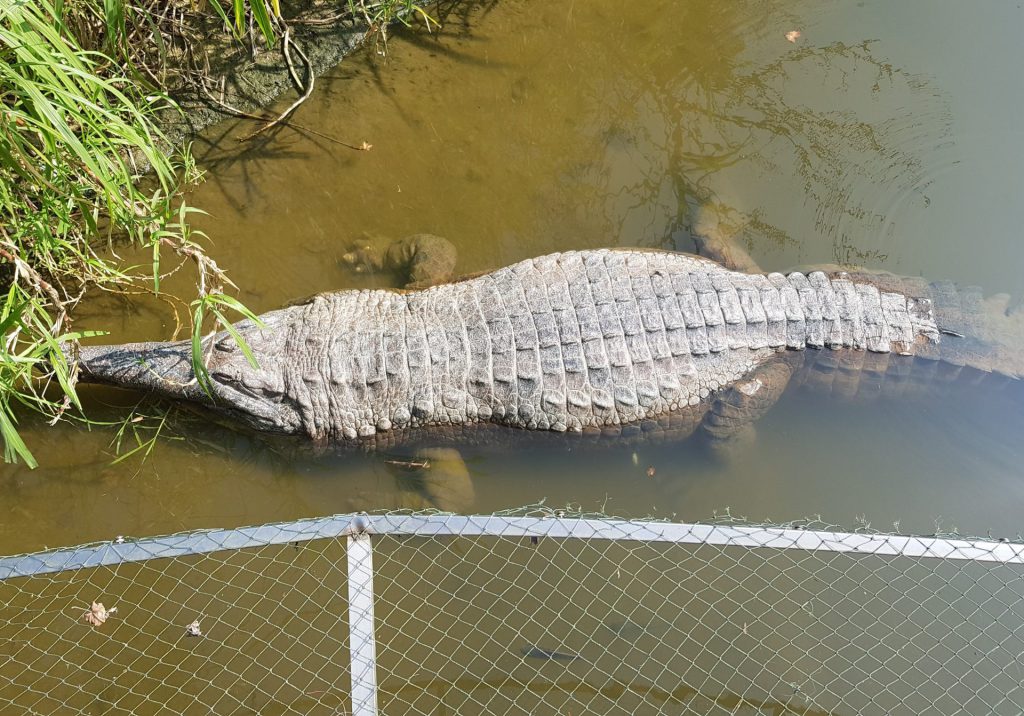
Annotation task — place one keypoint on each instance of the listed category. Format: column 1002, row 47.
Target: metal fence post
column 362, row 642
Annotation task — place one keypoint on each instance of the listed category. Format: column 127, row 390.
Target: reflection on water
column 524, row 128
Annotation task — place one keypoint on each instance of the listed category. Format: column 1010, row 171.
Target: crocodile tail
column 978, row 332
column 863, row 376
column 954, row 325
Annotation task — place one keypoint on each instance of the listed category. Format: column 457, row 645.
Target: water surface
column 885, row 135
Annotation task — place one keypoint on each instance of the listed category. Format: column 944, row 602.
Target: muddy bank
column 250, row 76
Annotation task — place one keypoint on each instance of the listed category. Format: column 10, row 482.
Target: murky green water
column 887, row 134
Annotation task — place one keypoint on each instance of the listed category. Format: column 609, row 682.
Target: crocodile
column 578, row 343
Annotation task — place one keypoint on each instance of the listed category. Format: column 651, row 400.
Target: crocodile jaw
column 158, row 367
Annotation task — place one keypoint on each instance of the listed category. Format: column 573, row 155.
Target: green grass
column 70, row 139
column 377, row 14
column 80, row 89
column 75, row 132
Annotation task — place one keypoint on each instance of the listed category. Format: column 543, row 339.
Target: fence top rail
column 557, row 527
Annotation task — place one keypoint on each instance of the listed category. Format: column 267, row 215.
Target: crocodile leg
column 728, row 425
column 446, row 481
column 440, row 476
column 716, row 239
column 422, row 260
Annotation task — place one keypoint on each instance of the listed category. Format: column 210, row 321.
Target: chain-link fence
column 508, row 614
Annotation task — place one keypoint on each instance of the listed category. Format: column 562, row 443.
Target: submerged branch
column 310, row 80
column 224, row 106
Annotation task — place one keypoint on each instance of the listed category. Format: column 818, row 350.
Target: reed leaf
column 74, row 127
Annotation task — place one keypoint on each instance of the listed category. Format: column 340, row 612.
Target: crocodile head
column 253, row 396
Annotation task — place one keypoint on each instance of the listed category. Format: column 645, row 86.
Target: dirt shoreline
column 252, row 81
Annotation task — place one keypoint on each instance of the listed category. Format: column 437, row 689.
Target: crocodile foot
column 440, row 476
column 421, row 259
column 715, row 231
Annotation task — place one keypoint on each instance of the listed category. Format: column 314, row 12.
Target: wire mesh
column 252, row 630
column 515, row 614
column 505, row 625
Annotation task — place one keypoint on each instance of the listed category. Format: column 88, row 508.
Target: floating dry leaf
column 650, row 471
column 193, row 629
column 793, row 35
column 97, row 614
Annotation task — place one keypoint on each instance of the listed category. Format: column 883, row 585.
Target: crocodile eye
column 253, row 384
